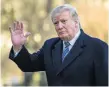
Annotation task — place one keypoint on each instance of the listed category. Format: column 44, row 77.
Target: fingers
column 27, row 34
column 16, row 26
column 10, row 29
column 21, row 26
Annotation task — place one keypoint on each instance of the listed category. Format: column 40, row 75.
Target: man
column 71, row 59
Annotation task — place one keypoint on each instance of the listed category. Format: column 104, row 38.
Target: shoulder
column 100, row 46
column 51, row 41
column 97, row 43
column 93, row 41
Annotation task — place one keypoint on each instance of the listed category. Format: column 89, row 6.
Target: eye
column 64, row 21
column 55, row 23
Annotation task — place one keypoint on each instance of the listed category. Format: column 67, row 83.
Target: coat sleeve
column 28, row 62
column 101, row 64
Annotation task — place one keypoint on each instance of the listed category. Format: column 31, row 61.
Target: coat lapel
column 73, row 54
column 56, row 54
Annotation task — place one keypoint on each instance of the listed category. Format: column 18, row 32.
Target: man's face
column 64, row 25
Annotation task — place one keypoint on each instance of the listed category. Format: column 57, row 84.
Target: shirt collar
column 75, row 38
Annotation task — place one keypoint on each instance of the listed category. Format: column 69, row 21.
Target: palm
column 18, row 38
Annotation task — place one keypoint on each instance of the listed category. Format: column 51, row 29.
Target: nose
column 60, row 25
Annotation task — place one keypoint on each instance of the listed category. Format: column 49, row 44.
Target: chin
column 65, row 38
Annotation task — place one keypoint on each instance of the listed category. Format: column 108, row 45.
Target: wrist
column 17, row 48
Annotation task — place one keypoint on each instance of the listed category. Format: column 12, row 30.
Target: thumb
column 27, row 34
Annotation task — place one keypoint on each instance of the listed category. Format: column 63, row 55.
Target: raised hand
column 17, row 35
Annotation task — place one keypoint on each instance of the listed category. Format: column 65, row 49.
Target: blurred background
column 35, row 14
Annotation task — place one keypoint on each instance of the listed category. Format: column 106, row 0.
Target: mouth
column 62, row 32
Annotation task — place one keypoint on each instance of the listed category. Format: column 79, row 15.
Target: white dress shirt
column 72, row 42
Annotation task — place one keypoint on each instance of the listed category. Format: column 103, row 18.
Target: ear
column 76, row 23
